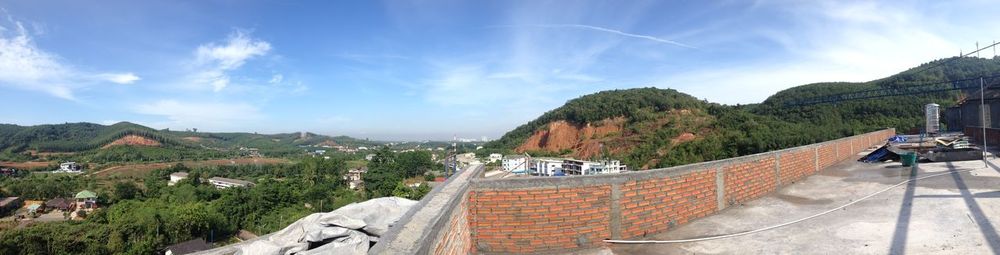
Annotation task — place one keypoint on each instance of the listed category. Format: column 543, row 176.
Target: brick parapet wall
column 545, row 214
column 438, row 224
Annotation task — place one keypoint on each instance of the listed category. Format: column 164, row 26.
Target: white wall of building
column 515, row 163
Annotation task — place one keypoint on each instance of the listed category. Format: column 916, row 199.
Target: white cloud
column 217, row 60
column 25, row 66
column 202, row 115
column 120, row 78
column 239, row 47
column 832, row 41
column 275, row 79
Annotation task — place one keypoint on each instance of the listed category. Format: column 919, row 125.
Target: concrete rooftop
column 950, row 214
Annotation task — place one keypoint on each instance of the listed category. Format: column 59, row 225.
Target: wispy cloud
column 201, row 114
column 831, row 41
column 275, row 79
column 23, row 65
column 617, row 32
column 219, row 59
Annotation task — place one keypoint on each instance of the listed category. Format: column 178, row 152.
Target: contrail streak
column 617, row 32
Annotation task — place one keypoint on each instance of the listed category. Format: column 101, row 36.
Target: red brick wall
column 797, row 164
column 844, row 150
column 525, row 221
column 559, row 215
column 748, row 180
column 655, row 205
column 457, row 239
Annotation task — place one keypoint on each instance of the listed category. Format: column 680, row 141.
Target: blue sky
column 418, row 70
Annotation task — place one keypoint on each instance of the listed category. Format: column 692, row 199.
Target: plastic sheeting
column 347, row 230
column 882, row 154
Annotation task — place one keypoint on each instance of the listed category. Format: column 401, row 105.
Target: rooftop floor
column 955, row 213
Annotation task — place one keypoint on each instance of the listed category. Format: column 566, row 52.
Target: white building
column 355, row 177
column 223, row 183
column 369, row 157
column 515, row 163
column 545, row 166
column 70, row 167
column 494, row 157
column 612, row 166
column 177, row 177
column 583, row 167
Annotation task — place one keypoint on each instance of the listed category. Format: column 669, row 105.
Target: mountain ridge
column 650, row 138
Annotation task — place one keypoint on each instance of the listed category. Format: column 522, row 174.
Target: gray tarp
column 347, row 230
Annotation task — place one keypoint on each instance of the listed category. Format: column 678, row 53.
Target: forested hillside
column 125, row 141
column 663, row 127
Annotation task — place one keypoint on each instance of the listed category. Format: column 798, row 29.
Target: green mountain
column 650, row 127
column 125, row 141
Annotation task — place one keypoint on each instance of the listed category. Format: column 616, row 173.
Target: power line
column 919, row 88
column 955, row 58
column 904, row 90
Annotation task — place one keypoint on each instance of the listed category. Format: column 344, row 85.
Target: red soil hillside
column 133, row 140
column 583, row 140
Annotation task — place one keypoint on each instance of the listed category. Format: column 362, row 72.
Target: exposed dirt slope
column 132, row 140
column 584, row 140
column 617, row 137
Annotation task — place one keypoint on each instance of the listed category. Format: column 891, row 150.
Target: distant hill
column 129, row 141
column 650, row 127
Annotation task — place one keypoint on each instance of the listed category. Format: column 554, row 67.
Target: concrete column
column 777, row 170
column 836, row 147
column 615, row 224
column 816, row 157
column 720, row 188
column 852, row 147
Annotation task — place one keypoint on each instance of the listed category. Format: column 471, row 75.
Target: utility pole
column 982, row 111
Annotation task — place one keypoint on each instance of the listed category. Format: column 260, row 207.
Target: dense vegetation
column 145, row 219
column 630, row 103
column 727, row 131
column 84, row 142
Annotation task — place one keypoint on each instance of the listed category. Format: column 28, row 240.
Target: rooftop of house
column 58, row 202
column 85, row 194
column 180, row 174
column 227, row 180
column 989, row 94
column 955, row 213
column 7, row 200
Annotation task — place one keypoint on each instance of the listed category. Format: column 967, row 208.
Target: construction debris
column 948, row 147
column 351, row 229
column 882, row 154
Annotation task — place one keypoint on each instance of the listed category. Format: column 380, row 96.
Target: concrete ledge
column 417, row 231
